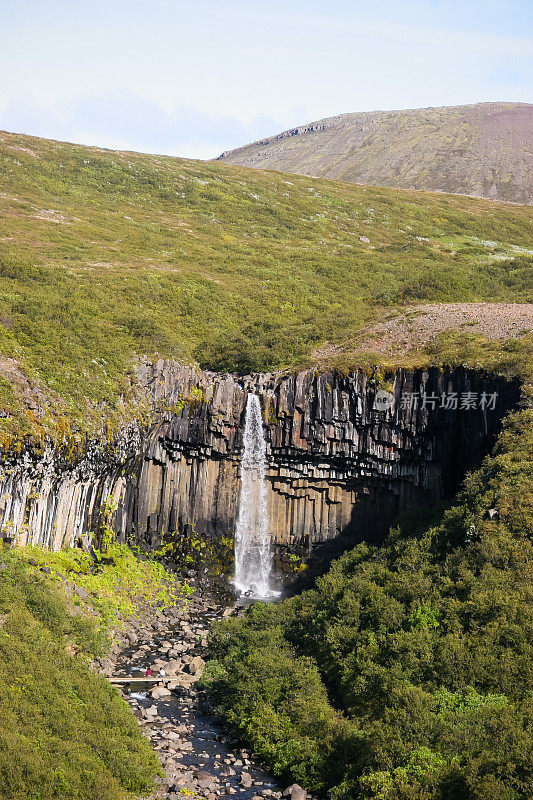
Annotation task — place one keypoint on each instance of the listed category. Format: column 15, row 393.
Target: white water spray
column 252, row 541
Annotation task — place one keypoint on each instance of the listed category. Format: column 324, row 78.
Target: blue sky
column 195, row 78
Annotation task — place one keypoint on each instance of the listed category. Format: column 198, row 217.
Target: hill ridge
column 480, row 149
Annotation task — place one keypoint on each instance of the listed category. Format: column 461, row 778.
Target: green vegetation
column 65, row 733
column 116, row 588
column 107, row 256
column 510, row 357
column 205, row 554
column 513, row 357
column 406, row 673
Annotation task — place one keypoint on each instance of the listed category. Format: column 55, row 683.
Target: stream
column 197, row 755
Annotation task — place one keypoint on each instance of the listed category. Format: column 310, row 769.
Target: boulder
column 206, row 781
column 295, row 792
column 246, row 780
column 196, row 666
column 159, row 692
column 82, row 594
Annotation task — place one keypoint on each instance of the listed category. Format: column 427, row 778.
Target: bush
column 405, row 672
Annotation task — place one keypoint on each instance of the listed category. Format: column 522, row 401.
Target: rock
column 246, row 780
column 196, row 666
column 32, row 562
column 326, row 446
column 205, row 780
column 82, row 594
column 159, row 692
column 173, row 667
column 295, row 792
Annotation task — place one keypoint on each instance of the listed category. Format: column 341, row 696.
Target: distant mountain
column 484, row 150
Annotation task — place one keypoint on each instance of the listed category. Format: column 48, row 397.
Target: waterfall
column 252, row 540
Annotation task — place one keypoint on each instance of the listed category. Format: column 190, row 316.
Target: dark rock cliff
column 338, row 461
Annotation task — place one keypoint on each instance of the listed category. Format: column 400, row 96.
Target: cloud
column 127, row 121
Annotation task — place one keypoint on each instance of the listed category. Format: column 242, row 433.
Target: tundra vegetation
column 65, row 732
column 106, row 256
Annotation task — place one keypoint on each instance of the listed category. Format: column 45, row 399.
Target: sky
column 194, row 78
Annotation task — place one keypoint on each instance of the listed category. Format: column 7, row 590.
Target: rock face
column 49, row 501
column 336, row 462
column 343, row 456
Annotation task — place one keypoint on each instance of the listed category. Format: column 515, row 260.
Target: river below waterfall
column 197, row 755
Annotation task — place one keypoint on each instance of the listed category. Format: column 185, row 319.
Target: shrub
column 408, row 666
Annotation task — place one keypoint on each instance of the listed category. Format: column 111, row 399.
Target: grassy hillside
column 406, row 673
column 105, row 256
column 482, row 149
column 65, row 732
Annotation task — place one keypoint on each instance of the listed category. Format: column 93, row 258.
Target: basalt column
column 335, row 459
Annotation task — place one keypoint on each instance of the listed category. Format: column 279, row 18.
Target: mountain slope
column 108, row 256
column 484, row 150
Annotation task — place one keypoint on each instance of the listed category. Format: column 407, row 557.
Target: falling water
column 252, row 542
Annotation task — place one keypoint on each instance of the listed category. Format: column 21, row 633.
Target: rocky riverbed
column 198, row 757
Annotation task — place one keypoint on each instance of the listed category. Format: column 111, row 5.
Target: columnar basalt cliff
column 48, row 500
column 336, row 461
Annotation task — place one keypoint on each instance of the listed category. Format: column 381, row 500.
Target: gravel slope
column 483, row 150
column 419, row 325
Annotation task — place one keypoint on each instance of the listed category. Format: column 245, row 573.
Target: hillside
column 108, row 256
column 64, row 731
column 404, row 673
column 409, row 335
column 484, row 150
